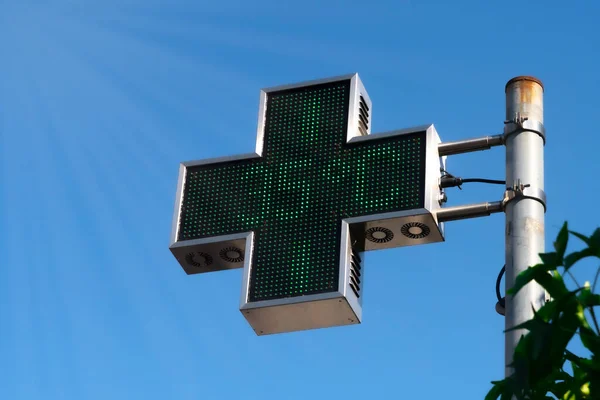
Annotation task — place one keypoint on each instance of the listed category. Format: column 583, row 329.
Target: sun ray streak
column 126, row 53
column 101, row 191
column 200, row 28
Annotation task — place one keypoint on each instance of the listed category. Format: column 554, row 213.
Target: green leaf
column 558, row 383
column 496, row 390
column 559, row 389
column 589, row 299
column 525, row 277
column 540, row 273
column 551, row 309
column 578, row 373
column 595, row 239
column 531, row 325
column 593, row 243
column 548, row 310
column 565, row 325
column 590, row 366
column 554, row 284
column 589, row 339
column 585, row 389
column 551, row 260
column 584, row 238
column 560, row 245
column 572, row 357
column 570, row 395
column 541, row 355
column 576, row 256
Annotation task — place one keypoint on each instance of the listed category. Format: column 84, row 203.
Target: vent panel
column 232, row 254
column 355, row 272
column 415, row 230
column 379, row 235
column 199, row 259
column 363, row 117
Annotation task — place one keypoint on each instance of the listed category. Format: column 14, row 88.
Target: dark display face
column 295, row 196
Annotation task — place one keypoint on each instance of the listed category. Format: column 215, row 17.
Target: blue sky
column 101, row 100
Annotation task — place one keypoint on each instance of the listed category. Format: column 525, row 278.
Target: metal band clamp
column 520, row 124
column 522, row 191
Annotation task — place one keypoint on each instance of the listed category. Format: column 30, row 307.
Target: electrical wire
column 449, row 180
column 481, row 180
column 501, row 299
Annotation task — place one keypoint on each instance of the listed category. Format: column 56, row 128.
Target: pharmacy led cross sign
column 298, row 213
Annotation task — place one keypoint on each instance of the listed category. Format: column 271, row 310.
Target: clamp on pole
column 520, row 123
column 523, row 191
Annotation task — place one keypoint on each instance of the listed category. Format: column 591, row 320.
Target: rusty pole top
column 523, row 78
column 525, row 98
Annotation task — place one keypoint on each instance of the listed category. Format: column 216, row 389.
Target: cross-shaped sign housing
column 299, row 212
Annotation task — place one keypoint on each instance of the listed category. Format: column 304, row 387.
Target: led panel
column 319, row 189
column 296, row 194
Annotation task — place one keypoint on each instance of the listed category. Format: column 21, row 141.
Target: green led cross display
column 295, row 195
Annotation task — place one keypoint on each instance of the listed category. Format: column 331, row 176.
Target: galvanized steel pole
column 525, row 201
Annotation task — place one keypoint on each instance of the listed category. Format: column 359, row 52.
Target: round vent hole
column 232, row 254
column 379, row 234
column 199, row 259
column 415, row 230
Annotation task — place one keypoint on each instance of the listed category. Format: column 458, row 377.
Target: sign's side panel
column 361, row 110
column 434, row 166
column 177, row 206
column 351, row 272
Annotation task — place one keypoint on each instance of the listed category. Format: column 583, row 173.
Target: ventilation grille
column 199, row 259
column 232, row 254
column 379, row 235
column 363, row 117
column 355, row 272
column 415, row 230
column 212, row 257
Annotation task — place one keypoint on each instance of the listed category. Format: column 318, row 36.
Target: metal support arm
column 469, row 211
column 470, row 145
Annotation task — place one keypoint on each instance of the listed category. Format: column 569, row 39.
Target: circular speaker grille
column 199, row 259
column 232, row 254
column 415, row 230
column 379, row 235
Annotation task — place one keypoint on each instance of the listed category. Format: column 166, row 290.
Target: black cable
column 501, row 299
column 449, row 180
column 481, row 180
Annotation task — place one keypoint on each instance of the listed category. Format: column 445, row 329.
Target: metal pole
column 524, row 137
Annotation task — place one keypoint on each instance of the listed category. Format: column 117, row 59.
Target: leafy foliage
column 541, row 356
